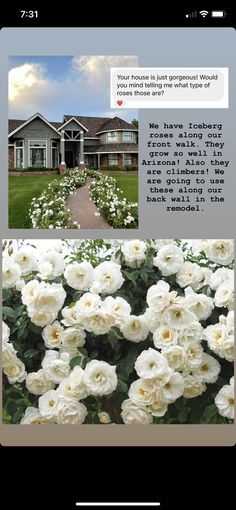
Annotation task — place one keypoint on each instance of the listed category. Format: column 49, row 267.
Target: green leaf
column 31, row 353
column 36, row 329
column 122, row 386
column 127, row 363
column 8, row 313
column 76, row 361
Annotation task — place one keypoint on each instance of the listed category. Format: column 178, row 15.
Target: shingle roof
column 14, row 124
column 115, row 123
column 93, row 124
column 110, row 147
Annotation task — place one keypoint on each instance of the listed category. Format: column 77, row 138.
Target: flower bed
column 49, row 210
column 118, row 211
column 118, row 332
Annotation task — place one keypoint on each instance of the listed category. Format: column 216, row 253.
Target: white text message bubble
column 162, row 87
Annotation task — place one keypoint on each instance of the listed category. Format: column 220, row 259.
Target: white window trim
column 42, row 147
column 132, row 140
column 128, row 154
column 23, row 148
column 55, row 148
column 115, row 154
column 114, row 139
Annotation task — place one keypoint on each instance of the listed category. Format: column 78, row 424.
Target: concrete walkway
column 83, row 209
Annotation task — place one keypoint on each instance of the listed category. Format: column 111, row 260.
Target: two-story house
column 76, row 142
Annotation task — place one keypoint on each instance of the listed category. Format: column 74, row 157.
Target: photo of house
column 77, row 141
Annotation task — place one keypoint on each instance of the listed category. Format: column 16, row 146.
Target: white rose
column 202, row 277
column 231, row 382
column 100, row 378
column 88, row 304
column 5, row 332
column 186, row 274
column 173, row 389
column 8, row 354
column 225, row 401
column 224, row 295
column 117, row 307
column 50, row 298
column 178, row 317
column 164, row 337
column 215, row 335
column 109, row 275
column 199, row 245
column 193, row 332
column 38, row 383
column 104, row 417
column 221, row 251
column 71, row 350
column 152, row 319
column 169, row 259
column 71, row 316
column 26, row 258
column 175, row 355
column 193, row 354
column 70, row 412
column 73, row 337
column 15, row 371
column 32, row 416
column 158, row 408
column 221, row 275
column 73, row 387
column 51, row 265
column 10, row 273
column 99, row 323
column 141, row 393
column 150, row 364
column 52, row 335
column 158, row 296
column 29, row 292
column 227, row 349
column 193, row 386
column 42, row 319
column 95, row 288
column 20, row 284
column 135, row 328
column 158, row 243
column 132, row 414
column 208, row 370
column 134, row 252
column 48, row 403
column 200, row 304
column 57, row 369
column 79, row 275
column 230, row 322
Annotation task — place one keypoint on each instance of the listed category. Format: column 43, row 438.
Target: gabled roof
column 75, row 119
column 24, row 123
column 115, row 123
column 93, row 124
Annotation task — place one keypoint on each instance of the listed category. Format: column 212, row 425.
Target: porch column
column 81, row 156
column 62, row 167
column 98, row 161
column 123, row 158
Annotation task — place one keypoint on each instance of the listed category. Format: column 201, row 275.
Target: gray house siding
column 73, row 126
column 119, row 138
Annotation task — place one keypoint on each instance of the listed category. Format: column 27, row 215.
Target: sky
column 58, row 85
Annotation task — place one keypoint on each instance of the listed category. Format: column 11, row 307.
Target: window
column 37, row 153
column 112, row 137
column 112, row 159
column 19, row 154
column 127, row 159
column 55, row 155
column 128, row 136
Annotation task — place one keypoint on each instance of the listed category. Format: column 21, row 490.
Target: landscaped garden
column 123, row 191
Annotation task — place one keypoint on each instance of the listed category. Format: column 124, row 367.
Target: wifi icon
column 203, row 13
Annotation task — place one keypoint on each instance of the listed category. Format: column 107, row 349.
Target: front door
column 69, row 159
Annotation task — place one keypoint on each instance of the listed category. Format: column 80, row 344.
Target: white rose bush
column 118, row 332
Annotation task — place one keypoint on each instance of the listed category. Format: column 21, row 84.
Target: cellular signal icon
column 192, row 15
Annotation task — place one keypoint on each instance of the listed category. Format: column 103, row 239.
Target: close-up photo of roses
column 122, row 331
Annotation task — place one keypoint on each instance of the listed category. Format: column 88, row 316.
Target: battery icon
column 218, row 14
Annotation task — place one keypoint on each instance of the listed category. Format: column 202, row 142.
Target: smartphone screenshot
column 117, row 232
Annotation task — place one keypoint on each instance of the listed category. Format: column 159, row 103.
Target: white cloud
column 96, row 68
column 25, row 79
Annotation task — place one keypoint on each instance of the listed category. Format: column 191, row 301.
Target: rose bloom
column 30, row 292
column 152, row 319
column 169, row 259
column 134, row 252
column 221, row 251
column 193, row 386
column 132, row 414
column 71, row 316
column 117, row 307
column 79, row 275
column 15, row 371
column 71, row 350
column 158, row 243
column 73, row 337
column 164, row 337
column 224, row 295
column 208, row 370
column 42, row 319
column 104, row 417
column 48, row 403
column 38, row 383
column 175, row 355
column 150, row 363
column 193, row 332
column 100, row 378
column 230, row 322
column 173, row 389
column 50, row 297
column 73, row 387
column 5, row 332
column 200, row 304
column 51, row 265
column 25, row 257
column 32, row 416
column 52, row 335
column 88, row 304
column 8, row 353
column 221, row 275
column 202, row 277
column 158, row 408
column 109, row 275
column 215, row 335
column 10, row 273
column 57, row 369
column 141, row 393
column 99, row 323
column 227, row 349
column 135, row 328
column 186, row 274
column 193, row 354
column 159, row 297
column 70, row 412
column 178, row 317
column 225, row 401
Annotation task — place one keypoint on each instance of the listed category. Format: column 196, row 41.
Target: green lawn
column 129, row 185
column 21, row 192
column 23, row 189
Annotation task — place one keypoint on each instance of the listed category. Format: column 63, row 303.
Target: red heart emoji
column 119, row 103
